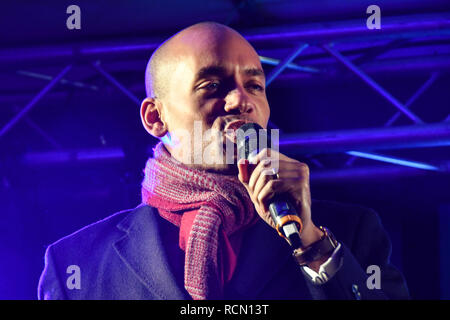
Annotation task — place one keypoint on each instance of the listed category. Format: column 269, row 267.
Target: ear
column 151, row 117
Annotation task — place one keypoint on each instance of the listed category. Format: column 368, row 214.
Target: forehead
column 199, row 51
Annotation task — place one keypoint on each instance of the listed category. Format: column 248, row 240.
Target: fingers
column 290, row 177
column 243, row 170
column 268, row 191
column 257, row 175
column 247, row 167
column 262, row 169
column 267, row 164
column 271, row 154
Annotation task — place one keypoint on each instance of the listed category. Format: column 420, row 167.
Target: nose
column 237, row 100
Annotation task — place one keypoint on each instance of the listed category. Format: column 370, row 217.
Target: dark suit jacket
column 134, row 254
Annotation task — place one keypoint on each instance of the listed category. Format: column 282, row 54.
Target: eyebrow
column 254, row 72
column 220, row 71
column 209, row 71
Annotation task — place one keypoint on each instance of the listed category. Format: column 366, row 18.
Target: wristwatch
column 316, row 250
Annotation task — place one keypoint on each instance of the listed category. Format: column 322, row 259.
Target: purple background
column 75, row 154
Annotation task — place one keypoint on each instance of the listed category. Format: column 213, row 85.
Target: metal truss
column 34, row 101
column 356, row 143
column 330, row 140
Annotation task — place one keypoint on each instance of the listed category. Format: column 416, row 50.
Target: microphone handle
column 281, row 209
column 282, row 212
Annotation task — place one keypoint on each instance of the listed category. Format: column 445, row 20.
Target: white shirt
column 327, row 269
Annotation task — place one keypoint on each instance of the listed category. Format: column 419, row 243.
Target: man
column 204, row 230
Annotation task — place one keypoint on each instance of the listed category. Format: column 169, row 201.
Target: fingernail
column 242, row 161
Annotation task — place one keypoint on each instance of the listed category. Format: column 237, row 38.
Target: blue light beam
column 401, row 162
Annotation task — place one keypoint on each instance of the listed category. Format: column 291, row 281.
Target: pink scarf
column 211, row 211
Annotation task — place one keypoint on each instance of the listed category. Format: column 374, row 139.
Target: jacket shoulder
column 91, row 251
column 97, row 235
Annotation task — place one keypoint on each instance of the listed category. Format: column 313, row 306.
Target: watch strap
column 324, row 246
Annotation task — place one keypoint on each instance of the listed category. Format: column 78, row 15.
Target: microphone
column 251, row 138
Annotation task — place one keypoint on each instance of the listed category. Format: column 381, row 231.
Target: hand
column 293, row 179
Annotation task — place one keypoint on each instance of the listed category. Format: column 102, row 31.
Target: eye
column 212, row 86
column 255, row 87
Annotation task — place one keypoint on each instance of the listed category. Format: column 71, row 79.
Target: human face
column 217, row 84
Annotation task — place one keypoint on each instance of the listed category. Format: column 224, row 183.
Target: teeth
column 234, row 125
column 231, row 127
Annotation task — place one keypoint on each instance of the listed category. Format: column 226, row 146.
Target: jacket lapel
column 142, row 250
column 264, row 256
column 263, row 253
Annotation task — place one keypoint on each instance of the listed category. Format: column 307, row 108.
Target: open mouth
column 231, row 127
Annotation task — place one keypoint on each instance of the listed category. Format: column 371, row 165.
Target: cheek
column 264, row 112
column 212, row 110
column 267, row 111
column 181, row 109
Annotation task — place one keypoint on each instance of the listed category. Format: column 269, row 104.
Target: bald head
column 163, row 60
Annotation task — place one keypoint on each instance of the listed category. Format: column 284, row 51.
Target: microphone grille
column 250, row 139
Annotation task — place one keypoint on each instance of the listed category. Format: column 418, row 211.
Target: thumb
column 244, row 175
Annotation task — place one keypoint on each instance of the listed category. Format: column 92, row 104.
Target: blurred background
column 367, row 109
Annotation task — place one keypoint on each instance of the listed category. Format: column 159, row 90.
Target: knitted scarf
column 209, row 208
